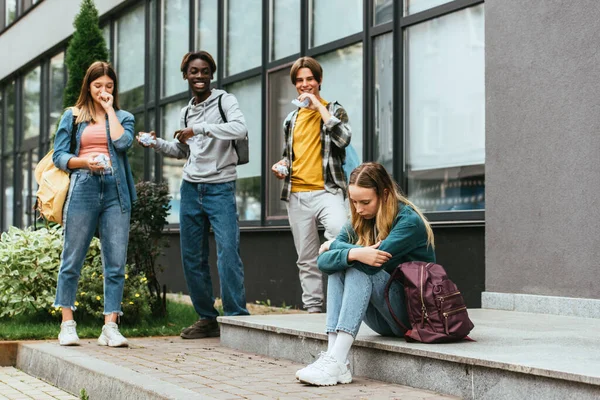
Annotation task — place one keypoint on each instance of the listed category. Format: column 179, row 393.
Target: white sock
column 341, row 347
column 331, row 336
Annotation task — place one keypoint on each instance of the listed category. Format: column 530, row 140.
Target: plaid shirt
column 335, row 136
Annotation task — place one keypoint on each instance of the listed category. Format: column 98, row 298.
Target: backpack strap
column 185, row 116
column 223, row 117
column 397, row 275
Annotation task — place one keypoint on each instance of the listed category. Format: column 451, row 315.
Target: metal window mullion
column 266, row 38
column 18, row 127
column 398, row 97
column 367, row 153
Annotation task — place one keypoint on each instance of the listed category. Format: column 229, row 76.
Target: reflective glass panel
column 281, row 93
column 345, row 85
column 335, row 19
column 248, row 189
column 383, row 146
column 31, row 103
column 285, row 28
column 175, row 44
column 243, row 30
column 445, row 138
column 130, row 57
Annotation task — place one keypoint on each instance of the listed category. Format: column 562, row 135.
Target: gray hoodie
column 210, row 153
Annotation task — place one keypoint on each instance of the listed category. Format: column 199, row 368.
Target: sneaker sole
column 201, row 336
column 103, row 342
column 76, row 343
column 344, row 380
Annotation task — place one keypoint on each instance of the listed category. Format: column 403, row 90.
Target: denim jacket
column 117, row 150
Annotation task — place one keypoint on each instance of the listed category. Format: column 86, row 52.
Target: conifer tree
column 86, row 46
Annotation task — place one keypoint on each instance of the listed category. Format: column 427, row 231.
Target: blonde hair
column 374, row 176
column 85, row 103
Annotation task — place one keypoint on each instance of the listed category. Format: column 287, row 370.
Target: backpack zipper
column 443, row 298
column 451, row 312
column 424, row 314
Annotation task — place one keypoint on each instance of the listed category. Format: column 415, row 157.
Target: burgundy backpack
column 436, row 309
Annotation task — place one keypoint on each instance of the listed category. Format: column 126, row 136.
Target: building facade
column 411, row 75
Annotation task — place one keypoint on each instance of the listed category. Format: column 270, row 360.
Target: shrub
column 29, row 264
column 146, row 241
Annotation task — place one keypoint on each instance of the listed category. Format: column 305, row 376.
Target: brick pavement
column 217, row 372
column 17, row 385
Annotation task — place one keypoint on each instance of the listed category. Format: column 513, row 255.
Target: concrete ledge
column 70, row 370
column 516, row 355
column 568, row 306
column 8, row 353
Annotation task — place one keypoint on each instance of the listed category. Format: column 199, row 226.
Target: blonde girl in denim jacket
column 100, row 196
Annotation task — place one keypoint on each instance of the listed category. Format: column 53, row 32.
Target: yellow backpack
column 53, row 183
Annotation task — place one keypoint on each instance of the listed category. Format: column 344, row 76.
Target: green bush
column 29, row 264
column 146, row 240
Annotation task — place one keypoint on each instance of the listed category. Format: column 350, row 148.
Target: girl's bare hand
column 369, row 255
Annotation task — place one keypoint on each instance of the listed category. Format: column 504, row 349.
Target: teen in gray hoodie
column 208, row 193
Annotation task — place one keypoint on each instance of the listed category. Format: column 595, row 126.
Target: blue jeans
column 204, row 205
column 353, row 297
column 93, row 202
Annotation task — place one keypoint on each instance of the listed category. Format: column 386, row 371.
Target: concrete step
column 71, row 370
column 515, row 355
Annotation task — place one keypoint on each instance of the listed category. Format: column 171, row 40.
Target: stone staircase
column 515, row 355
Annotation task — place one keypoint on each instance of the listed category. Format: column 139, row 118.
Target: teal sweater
column 407, row 241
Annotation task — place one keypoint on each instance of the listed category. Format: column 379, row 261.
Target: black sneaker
column 201, row 329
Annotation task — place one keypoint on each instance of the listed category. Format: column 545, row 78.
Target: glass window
column 9, row 135
column 57, row 86
column 29, row 161
column 281, row 93
column 130, row 57
column 10, row 11
column 248, row 189
column 152, row 51
column 243, row 30
column 106, row 35
column 135, row 154
column 344, row 67
column 383, row 12
column 8, row 192
column 415, row 6
column 172, row 168
column 327, row 28
column 285, row 28
column 31, row 103
column 175, row 44
column 445, row 138
column 1, row 123
column 206, row 34
column 383, row 146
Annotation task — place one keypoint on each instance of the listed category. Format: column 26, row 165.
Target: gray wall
column 270, row 264
column 543, row 147
column 44, row 27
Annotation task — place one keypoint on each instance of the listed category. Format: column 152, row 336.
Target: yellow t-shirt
column 307, row 167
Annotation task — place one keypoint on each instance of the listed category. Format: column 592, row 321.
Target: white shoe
column 327, row 371
column 68, row 334
column 300, row 372
column 111, row 336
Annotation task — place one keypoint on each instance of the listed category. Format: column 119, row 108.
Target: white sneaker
column 111, row 336
column 327, row 371
column 300, row 372
column 68, row 334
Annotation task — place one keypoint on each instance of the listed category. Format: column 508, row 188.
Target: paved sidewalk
column 216, row 372
column 17, row 385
